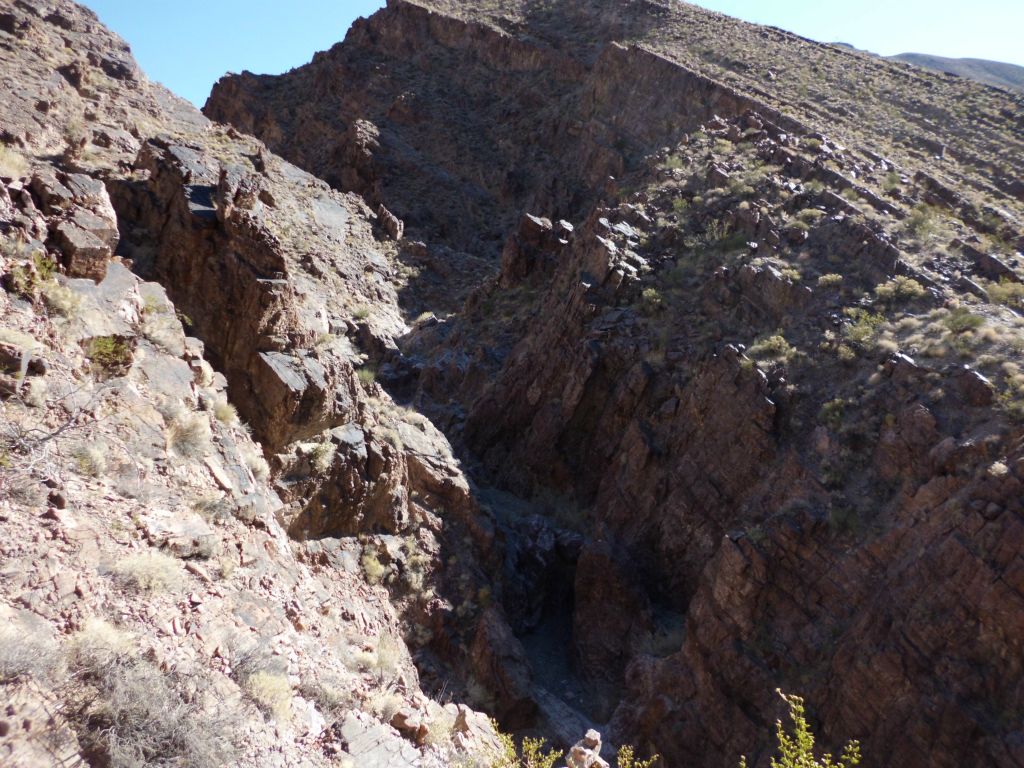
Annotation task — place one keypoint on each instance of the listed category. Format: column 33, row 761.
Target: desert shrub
column 255, row 462
column 24, row 655
column 361, row 312
column 773, row 347
column 109, row 355
column 440, row 725
column 900, row 288
column 389, row 656
column 796, row 750
column 865, row 326
column 626, row 759
column 673, row 162
column 366, row 376
column 383, row 660
column 321, row 456
column 416, row 563
column 90, row 459
column 810, row 215
column 680, row 205
column 532, row 754
column 375, row 570
column 61, row 300
column 1006, row 292
column 149, row 572
column 384, row 703
column 962, row 320
column 832, row 414
column 830, row 280
column 922, row 221
column 34, row 273
column 793, row 274
column 891, row 182
column 651, row 301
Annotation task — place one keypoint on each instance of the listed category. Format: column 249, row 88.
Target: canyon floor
column 515, row 366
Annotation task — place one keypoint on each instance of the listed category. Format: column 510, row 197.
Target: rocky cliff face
column 767, row 370
column 600, row 364
column 220, row 541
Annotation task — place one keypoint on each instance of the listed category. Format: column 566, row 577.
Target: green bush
column 796, row 750
column 772, row 348
column 900, row 287
column 921, row 222
column 865, row 326
column 830, row 280
column 626, row 759
column 961, row 320
column 1006, row 292
column 109, row 355
column 531, row 755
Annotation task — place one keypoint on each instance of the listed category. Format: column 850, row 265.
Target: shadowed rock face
column 780, row 480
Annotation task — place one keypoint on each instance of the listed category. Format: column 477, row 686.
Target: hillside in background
column 992, row 72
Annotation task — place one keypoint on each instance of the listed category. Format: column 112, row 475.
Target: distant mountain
column 991, row 72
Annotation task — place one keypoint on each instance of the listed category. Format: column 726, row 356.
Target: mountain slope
column 992, row 72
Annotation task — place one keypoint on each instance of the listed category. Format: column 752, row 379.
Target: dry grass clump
column 13, row 164
column 255, row 462
column 23, row 656
column 150, row 572
column 90, row 459
column 384, row 703
column 321, row 456
column 61, row 300
column 188, row 432
column 440, row 725
column 225, row 412
column 384, row 659
column 127, row 712
column 374, row 569
column 271, row 692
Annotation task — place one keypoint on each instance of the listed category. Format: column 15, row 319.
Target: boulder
column 586, row 753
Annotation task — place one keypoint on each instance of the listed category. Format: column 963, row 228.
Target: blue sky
column 188, row 44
